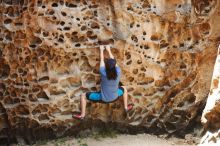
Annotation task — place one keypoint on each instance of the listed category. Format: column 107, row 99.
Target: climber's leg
column 123, row 91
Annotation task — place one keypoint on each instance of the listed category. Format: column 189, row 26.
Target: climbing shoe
column 78, row 116
column 129, row 107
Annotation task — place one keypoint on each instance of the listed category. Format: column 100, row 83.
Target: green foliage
column 41, row 142
column 83, row 144
column 103, row 133
column 97, row 134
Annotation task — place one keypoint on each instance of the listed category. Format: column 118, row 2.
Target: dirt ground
column 124, row 140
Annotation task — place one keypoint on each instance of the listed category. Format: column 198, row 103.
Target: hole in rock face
column 14, row 75
column 77, row 45
column 33, row 46
column 39, row 3
column 60, row 40
column 155, row 37
column 51, row 12
column 66, row 28
column 27, row 60
column 54, row 18
column 189, row 116
column 205, row 28
column 10, row 11
column 62, row 23
column 45, row 78
column 2, row 86
column 146, row 47
column 174, row 46
column 163, row 44
column 54, row 5
column 179, row 112
column 129, row 62
column 35, row 89
column 75, row 39
column 93, row 37
column 181, row 104
column 8, row 37
column 45, row 34
column 7, row 21
column 42, row 95
column 181, row 44
column 63, row 13
column 36, row 41
column 95, row 13
column 20, row 70
column 18, row 23
column 9, row 2
column 94, row 89
column 137, row 93
column 83, row 28
column 128, row 55
column 22, row 110
column 139, row 62
column 74, row 33
column 4, row 71
column 61, row 2
column 129, row 8
column 40, row 52
column 70, row 5
column 43, row 117
column 134, row 38
column 169, row 126
column 150, row 118
column 182, row 66
column 8, row 100
column 190, row 47
column 131, row 79
column 32, row 98
column 173, row 118
column 89, row 33
column 1, row 96
column 143, row 69
column 94, row 25
column 191, row 98
column 40, row 109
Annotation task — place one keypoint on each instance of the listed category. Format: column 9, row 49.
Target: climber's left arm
column 102, row 63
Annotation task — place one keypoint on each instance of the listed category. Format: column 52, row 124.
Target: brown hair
column 110, row 69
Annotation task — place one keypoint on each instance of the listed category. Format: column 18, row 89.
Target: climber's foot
column 78, row 116
column 129, row 107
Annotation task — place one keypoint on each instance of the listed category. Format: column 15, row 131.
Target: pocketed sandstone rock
column 49, row 57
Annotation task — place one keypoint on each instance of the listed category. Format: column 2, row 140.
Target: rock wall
column 49, row 56
column 210, row 117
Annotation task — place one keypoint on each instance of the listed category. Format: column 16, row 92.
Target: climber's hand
column 108, row 48
column 102, row 48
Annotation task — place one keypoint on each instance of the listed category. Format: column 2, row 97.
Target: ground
column 122, row 140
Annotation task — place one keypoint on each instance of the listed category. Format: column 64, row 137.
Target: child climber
column 110, row 89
